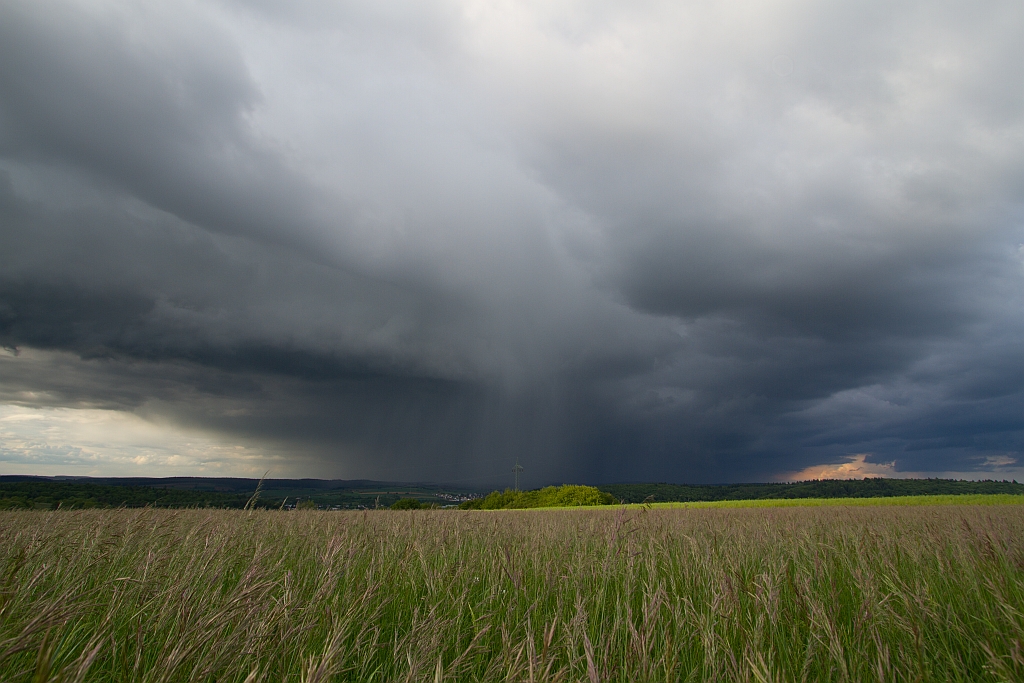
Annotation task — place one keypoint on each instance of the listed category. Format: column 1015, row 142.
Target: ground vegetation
column 836, row 593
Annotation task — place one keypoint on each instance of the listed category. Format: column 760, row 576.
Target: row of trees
column 828, row 488
column 52, row 494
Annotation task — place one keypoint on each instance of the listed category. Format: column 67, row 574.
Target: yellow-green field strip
column 968, row 499
column 965, row 499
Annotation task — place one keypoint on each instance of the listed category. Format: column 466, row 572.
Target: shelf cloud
column 418, row 240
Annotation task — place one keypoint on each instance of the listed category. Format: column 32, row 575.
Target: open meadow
column 844, row 593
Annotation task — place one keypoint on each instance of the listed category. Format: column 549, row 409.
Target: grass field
column 910, row 593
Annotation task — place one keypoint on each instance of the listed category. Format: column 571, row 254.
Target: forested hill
column 18, row 491
column 47, row 494
column 828, row 488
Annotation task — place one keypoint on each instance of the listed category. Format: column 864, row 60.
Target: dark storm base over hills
column 20, row 491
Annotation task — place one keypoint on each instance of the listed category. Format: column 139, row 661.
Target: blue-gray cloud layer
column 667, row 241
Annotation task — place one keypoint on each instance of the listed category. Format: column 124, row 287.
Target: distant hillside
column 214, row 484
column 176, row 492
column 46, row 494
column 221, row 492
column 829, row 488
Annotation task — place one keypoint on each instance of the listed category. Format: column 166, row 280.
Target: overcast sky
column 420, row 239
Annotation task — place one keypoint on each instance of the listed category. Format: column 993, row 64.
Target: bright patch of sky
column 111, row 443
column 857, row 467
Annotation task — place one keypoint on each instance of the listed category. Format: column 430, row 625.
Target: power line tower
column 516, row 470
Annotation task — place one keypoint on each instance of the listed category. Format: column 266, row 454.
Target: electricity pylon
column 516, row 470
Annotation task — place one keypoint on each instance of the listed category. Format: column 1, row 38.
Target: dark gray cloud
column 409, row 240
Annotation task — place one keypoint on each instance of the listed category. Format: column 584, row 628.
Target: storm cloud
column 419, row 240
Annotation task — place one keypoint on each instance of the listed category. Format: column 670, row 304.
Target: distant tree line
column 827, row 488
column 49, row 495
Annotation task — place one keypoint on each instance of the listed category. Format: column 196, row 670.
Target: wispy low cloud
column 999, row 462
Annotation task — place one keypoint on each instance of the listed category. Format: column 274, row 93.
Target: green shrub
column 567, row 495
column 496, row 500
column 407, row 504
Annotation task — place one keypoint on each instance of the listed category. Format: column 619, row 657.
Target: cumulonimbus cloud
column 418, row 239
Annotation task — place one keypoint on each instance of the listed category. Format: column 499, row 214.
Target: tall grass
column 756, row 594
